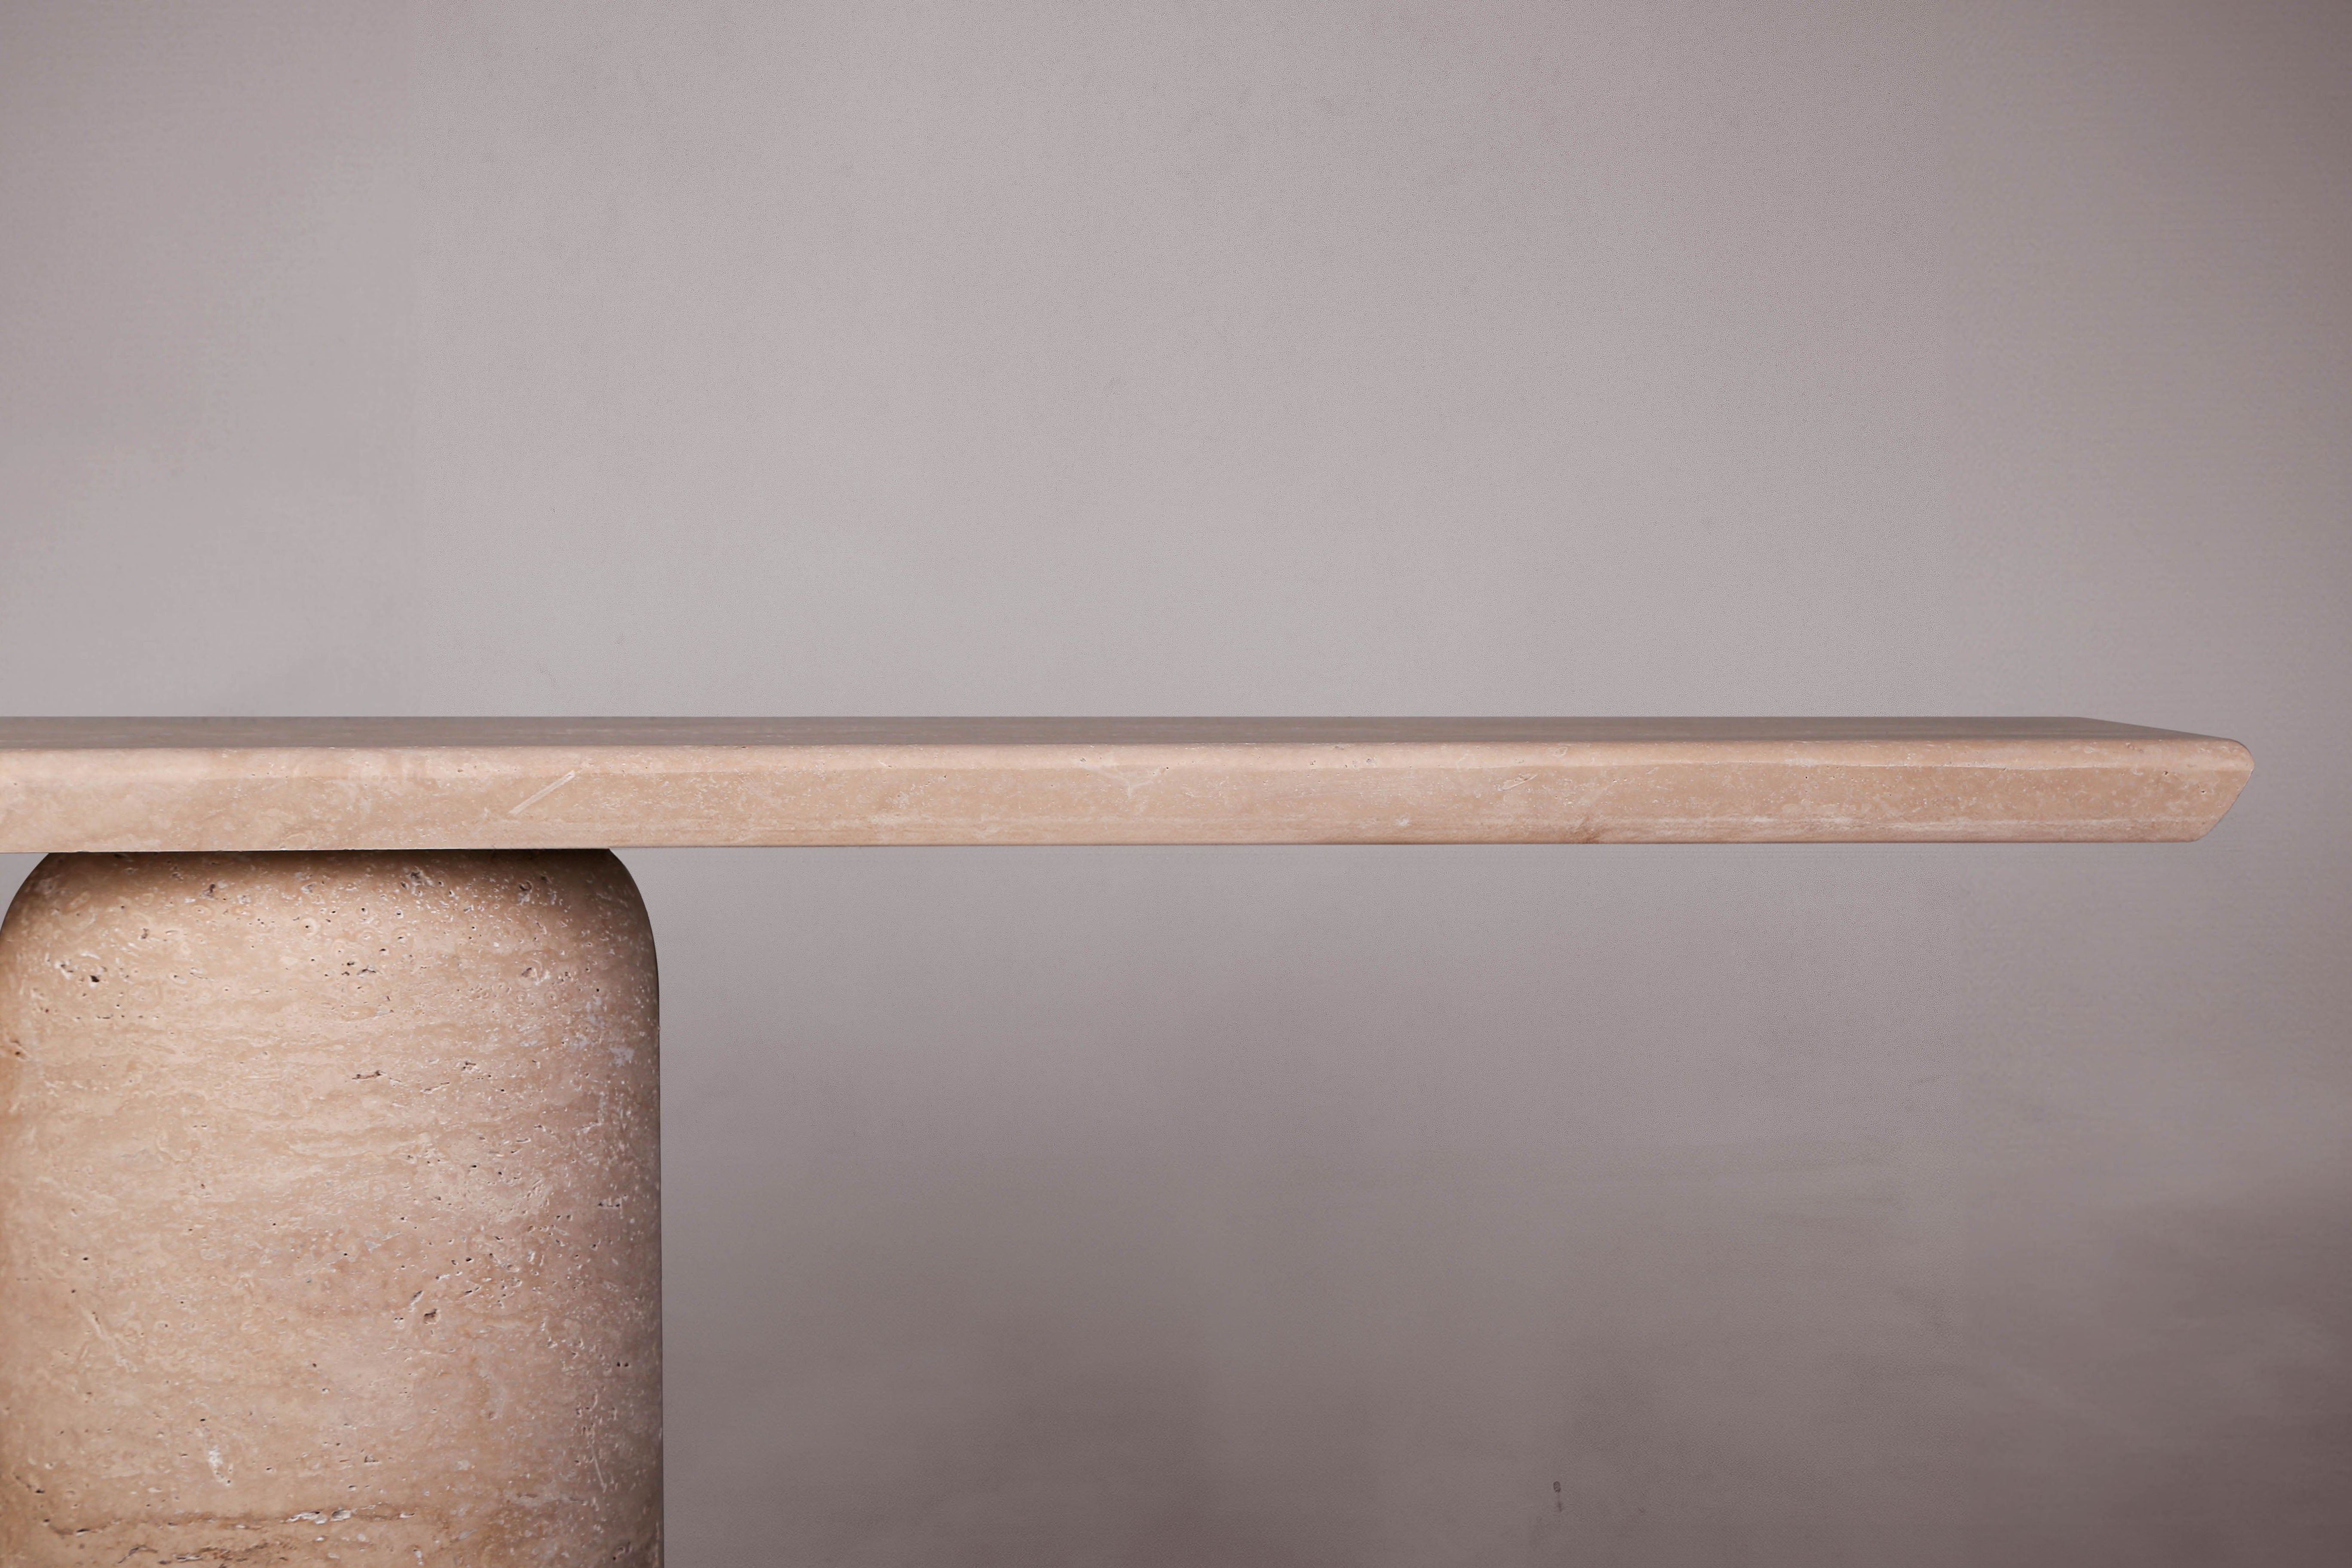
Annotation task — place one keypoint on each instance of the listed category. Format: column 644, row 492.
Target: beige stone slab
column 178, row 785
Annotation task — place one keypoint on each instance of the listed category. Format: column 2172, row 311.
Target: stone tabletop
column 158, row 784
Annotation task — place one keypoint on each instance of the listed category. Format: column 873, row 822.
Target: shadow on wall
column 1449, row 1207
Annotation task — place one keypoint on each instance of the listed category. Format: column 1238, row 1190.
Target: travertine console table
column 329, row 1219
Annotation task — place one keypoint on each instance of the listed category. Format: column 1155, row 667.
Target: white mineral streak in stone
column 329, row 1219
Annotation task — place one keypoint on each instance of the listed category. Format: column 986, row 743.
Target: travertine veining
column 330, row 1220
column 388, row 784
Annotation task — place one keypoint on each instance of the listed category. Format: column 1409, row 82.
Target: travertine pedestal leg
column 329, row 1212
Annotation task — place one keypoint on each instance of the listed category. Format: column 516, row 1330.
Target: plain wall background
column 1322, row 1206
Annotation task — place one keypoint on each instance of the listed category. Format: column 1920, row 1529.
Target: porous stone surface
column 502, row 783
column 329, row 1226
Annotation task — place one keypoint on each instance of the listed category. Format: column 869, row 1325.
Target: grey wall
column 1353, row 1207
